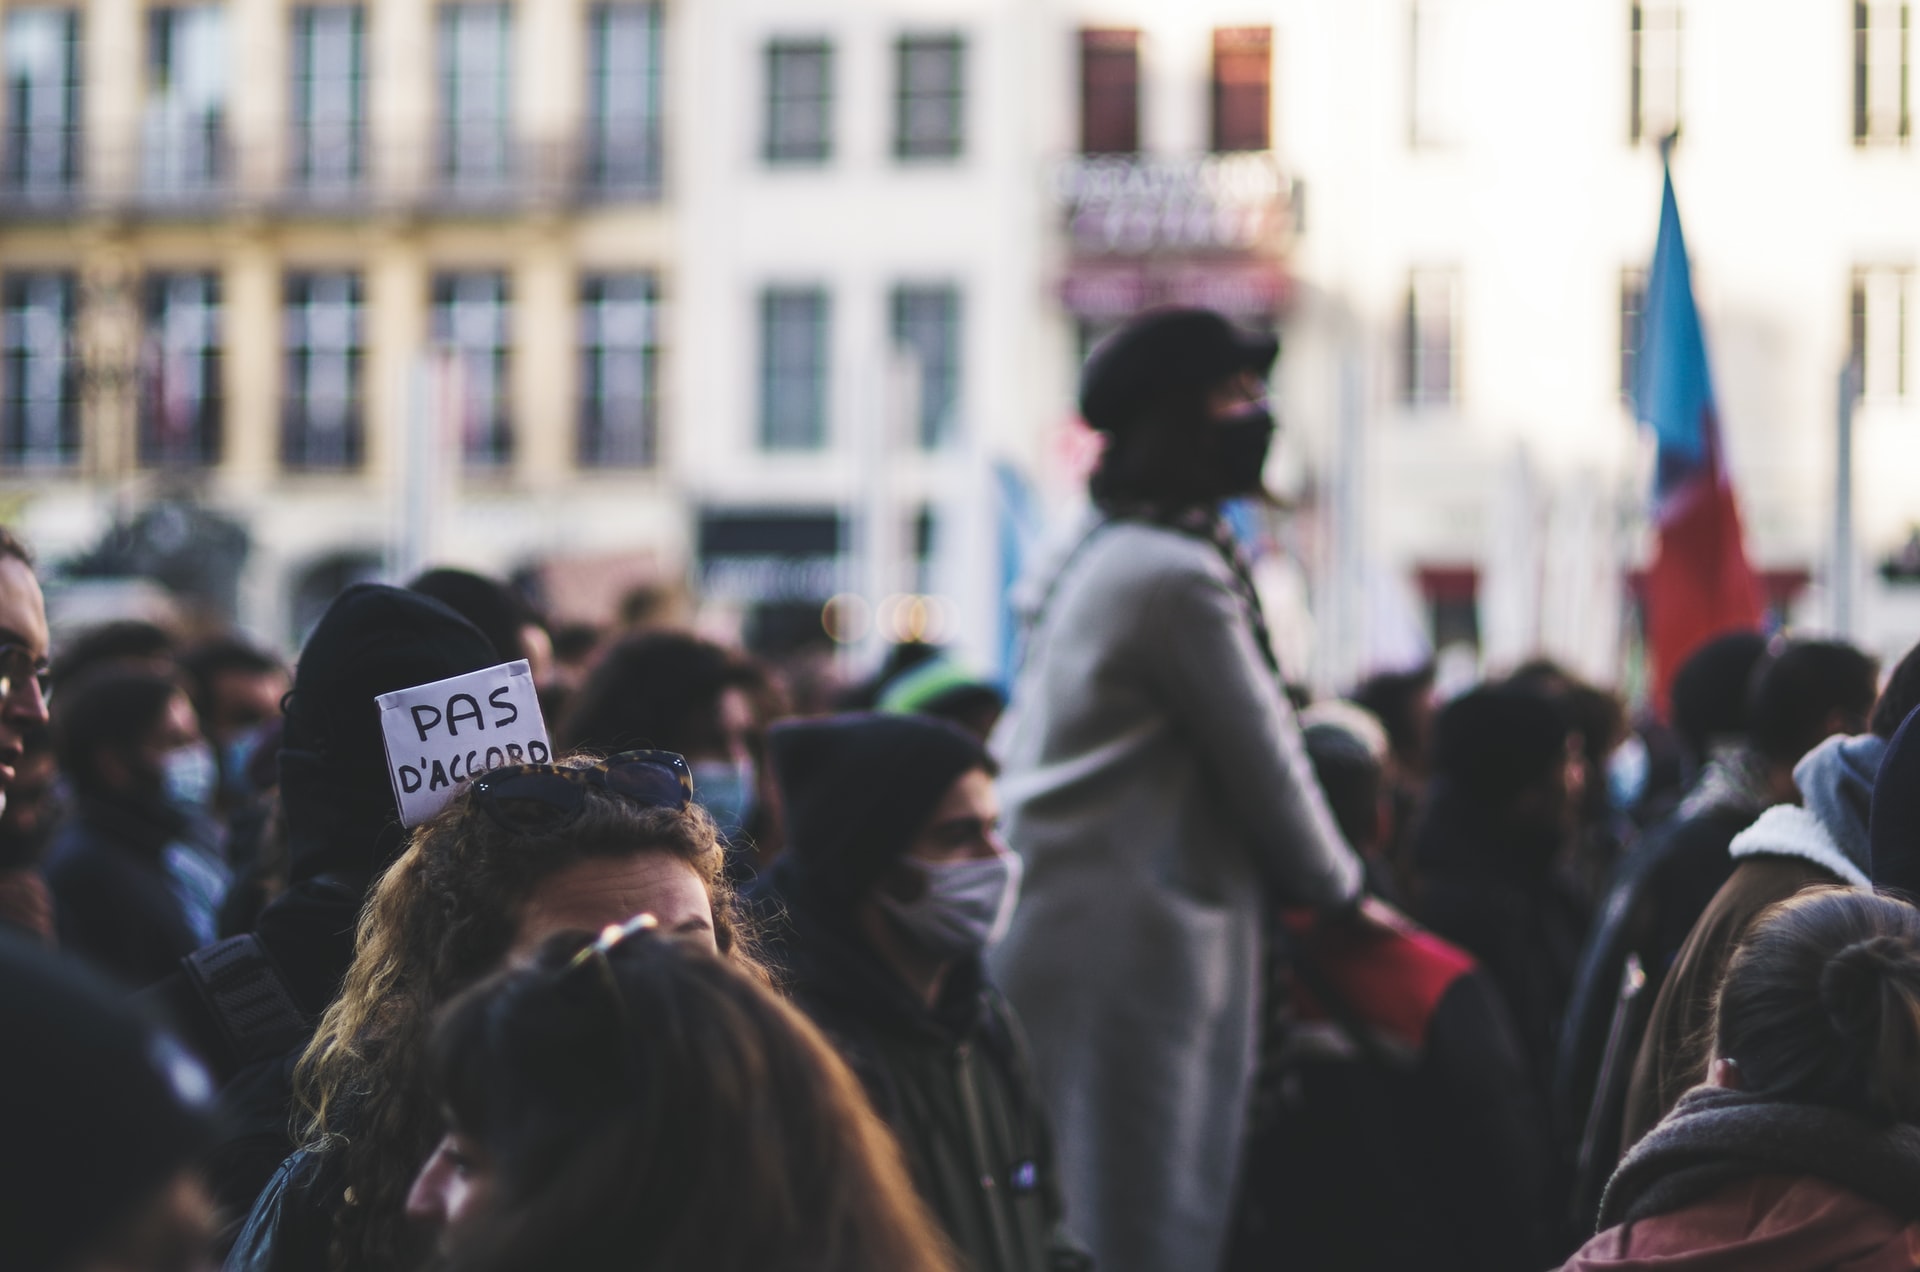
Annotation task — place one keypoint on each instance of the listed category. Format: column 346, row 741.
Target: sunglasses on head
column 542, row 797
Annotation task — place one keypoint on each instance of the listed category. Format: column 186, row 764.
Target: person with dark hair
column 133, row 642
column 894, row 884
column 137, row 869
column 502, row 617
column 677, row 692
column 1803, row 1148
column 103, row 1115
column 1823, row 839
column 1505, row 794
column 521, row 853
column 1394, row 1124
column 236, row 688
column 944, row 689
column 247, row 1004
column 1152, row 761
column 634, row 1102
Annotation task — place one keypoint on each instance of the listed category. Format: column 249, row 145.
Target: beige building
column 380, row 282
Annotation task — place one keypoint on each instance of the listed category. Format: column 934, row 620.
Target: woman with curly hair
column 635, row 1103
column 521, row 854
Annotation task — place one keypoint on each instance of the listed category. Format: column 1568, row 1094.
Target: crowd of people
column 1145, row 961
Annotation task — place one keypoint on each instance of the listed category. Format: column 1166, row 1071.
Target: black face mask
column 1240, row 444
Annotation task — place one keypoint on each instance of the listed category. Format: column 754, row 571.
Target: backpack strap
column 247, row 997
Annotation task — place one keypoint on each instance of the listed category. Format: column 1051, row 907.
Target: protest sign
column 440, row 735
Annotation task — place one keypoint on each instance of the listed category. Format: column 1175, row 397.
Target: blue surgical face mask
column 235, row 758
column 190, row 776
column 726, row 790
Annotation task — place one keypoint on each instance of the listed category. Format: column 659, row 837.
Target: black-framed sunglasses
column 18, row 665
column 536, row 798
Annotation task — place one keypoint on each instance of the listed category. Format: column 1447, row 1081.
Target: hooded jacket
column 1894, row 835
column 1790, row 847
column 1732, row 1182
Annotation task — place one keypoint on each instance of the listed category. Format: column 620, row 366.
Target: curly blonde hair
column 441, row 918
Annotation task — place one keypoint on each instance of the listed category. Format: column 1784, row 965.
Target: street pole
column 1844, row 548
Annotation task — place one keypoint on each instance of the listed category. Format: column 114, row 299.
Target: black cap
column 1495, row 742
column 1165, row 351
column 857, row 788
column 100, row 1109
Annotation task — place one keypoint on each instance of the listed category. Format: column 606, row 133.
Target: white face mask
column 966, row 907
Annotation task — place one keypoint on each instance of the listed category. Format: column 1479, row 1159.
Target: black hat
column 100, row 1109
column 372, row 640
column 1495, row 742
column 1712, row 687
column 1164, row 351
column 857, row 788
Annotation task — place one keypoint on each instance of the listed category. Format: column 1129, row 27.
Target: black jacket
column 952, row 1082
column 114, row 902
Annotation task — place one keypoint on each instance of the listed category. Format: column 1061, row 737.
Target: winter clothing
column 952, row 1080
column 100, row 1109
column 1895, row 833
column 1789, row 848
column 1423, row 1149
column 1733, row 1181
column 116, row 869
column 1166, row 351
column 343, row 830
column 290, row 1227
column 1156, row 786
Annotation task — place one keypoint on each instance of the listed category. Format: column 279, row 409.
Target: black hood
column 1895, row 830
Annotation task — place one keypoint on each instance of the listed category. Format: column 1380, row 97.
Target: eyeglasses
column 17, row 666
column 538, row 798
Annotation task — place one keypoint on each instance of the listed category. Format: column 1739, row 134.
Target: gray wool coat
column 1156, row 786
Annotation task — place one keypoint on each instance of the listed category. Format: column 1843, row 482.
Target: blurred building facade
column 788, row 296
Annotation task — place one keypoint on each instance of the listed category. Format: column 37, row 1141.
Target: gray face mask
column 965, row 908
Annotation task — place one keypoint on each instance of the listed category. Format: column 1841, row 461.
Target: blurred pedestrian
column 1157, row 789
column 894, row 883
column 137, row 868
column 944, row 689
column 1395, row 1120
column 636, row 1103
column 1803, row 1148
column 24, row 674
column 103, row 1115
column 502, row 616
column 677, row 692
column 132, row 642
column 29, row 810
column 236, row 689
column 1822, row 839
column 522, row 852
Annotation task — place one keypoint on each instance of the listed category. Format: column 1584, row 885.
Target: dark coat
column 114, row 901
column 952, row 1081
column 1431, row 1153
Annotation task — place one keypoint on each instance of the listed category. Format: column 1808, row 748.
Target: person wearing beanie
column 1507, row 768
column 893, row 885
column 104, row 1115
column 343, row 831
column 1158, row 792
column 1822, row 838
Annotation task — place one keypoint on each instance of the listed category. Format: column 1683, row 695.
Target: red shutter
column 1109, row 92
column 1242, row 88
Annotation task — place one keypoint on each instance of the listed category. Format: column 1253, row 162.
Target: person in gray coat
column 1156, row 787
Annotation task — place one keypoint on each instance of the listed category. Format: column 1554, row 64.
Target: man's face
column 965, row 825
column 242, row 701
column 140, row 768
column 23, row 627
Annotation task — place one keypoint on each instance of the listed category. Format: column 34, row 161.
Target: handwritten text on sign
column 442, row 734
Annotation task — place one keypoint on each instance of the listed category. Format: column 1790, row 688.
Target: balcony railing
column 217, row 178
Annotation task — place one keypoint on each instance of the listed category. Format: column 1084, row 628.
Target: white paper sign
column 442, row 734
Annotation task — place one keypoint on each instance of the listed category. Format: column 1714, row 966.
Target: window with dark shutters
column 1109, row 92
column 1242, row 88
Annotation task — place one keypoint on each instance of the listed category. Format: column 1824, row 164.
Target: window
column 1438, row 85
column 1109, row 92
column 184, row 130
column 475, row 55
column 931, row 103
column 329, row 97
column 793, row 368
column 1430, row 341
column 799, row 101
column 1633, row 328
column 1881, row 330
column 1243, row 88
column 39, row 371
column 623, row 109
column 43, row 101
column 180, row 371
column 321, row 411
column 1882, row 72
column 926, row 325
column 619, row 370
column 470, row 320
column 1655, row 87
